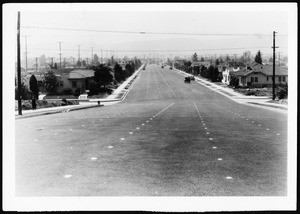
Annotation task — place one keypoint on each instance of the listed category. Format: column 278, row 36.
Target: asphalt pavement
column 166, row 138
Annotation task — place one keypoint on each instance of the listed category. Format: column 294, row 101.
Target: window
column 267, row 78
column 252, row 79
column 279, row 79
column 74, row 84
column 256, row 79
column 61, row 84
column 283, row 79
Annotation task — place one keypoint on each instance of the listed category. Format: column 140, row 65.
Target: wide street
column 166, row 138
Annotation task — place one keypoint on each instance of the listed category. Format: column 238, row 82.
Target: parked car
column 127, row 86
column 192, row 77
column 187, row 80
column 171, row 67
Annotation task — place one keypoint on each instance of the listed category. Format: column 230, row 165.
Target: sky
column 165, row 18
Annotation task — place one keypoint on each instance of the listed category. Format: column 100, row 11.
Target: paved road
column 167, row 138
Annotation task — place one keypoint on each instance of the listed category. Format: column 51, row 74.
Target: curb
column 55, row 111
column 224, row 93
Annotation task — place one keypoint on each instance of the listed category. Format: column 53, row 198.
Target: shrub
column 281, row 91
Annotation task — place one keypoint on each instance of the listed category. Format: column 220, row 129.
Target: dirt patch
column 265, row 92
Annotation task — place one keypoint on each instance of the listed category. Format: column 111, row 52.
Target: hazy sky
column 159, row 18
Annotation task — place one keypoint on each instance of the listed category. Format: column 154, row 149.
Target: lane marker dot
column 214, row 147
column 68, row 176
column 82, row 125
column 130, row 132
column 219, row 159
column 259, row 125
column 228, row 177
column 93, row 158
column 122, row 138
column 203, row 124
column 267, row 129
column 143, row 124
column 137, row 127
column 110, row 147
column 252, row 121
column 147, row 121
column 205, row 128
column 278, row 134
column 150, row 118
column 35, row 139
column 210, row 139
column 207, row 132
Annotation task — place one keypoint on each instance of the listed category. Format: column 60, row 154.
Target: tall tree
column 33, row 86
column 102, row 75
column 50, row 82
column 78, row 63
column 83, row 63
column 119, row 74
column 195, row 57
column 258, row 58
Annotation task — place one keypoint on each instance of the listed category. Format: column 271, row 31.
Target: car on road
column 192, row 77
column 144, row 67
column 171, row 67
column 187, row 80
column 127, row 86
column 162, row 66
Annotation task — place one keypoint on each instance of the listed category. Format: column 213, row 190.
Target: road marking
column 207, row 132
column 150, row 118
column 165, row 108
column 214, row 147
column 167, row 83
column 82, row 125
column 93, row 158
column 210, row 139
column 267, row 129
column 203, row 124
column 71, row 129
column 252, row 121
column 147, row 121
column 259, row 125
column 228, row 177
column 278, row 134
column 137, row 127
column 122, row 138
column 68, row 176
column 110, row 147
column 35, row 139
column 130, row 132
column 219, row 159
column 143, row 124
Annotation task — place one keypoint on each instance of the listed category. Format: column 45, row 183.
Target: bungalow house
column 257, row 75
column 79, row 79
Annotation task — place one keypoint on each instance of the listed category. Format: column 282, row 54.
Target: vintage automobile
column 171, row 67
column 187, row 80
column 192, row 78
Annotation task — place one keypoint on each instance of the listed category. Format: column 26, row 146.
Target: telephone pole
column 19, row 66
column 273, row 78
column 36, row 64
column 60, row 55
column 78, row 53
column 92, row 57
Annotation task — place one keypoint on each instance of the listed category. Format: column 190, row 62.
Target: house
column 79, row 79
column 257, row 75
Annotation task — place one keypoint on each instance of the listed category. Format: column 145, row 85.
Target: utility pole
column 51, row 62
column 273, row 78
column 87, row 61
column 78, row 53
column 92, row 57
column 101, row 56
column 60, row 55
column 19, row 66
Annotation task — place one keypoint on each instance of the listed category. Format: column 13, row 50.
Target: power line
column 259, row 35
column 171, row 50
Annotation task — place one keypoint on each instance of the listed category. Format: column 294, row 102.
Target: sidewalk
column 118, row 95
column 235, row 96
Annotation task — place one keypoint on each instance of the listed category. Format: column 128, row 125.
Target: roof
column 81, row 74
column 264, row 69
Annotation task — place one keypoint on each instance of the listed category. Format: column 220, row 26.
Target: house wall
column 262, row 80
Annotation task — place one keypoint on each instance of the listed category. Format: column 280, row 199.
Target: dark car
column 187, row 80
column 144, row 68
column 171, row 67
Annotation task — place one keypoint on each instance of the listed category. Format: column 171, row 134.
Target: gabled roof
column 264, row 69
column 81, row 74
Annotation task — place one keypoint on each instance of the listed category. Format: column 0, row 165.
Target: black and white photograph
column 149, row 106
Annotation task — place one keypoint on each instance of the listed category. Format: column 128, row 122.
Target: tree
column 78, row 63
column 130, row 68
column 227, row 58
column 96, row 59
column 83, row 63
column 50, row 82
column 234, row 81
column 195, row 57
column 25, row 93
column 258, row 58
column 102, row 75
column 119, row 74
column 217, row 62
column 202, row 59
column 55, row 65
column 33, row 86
